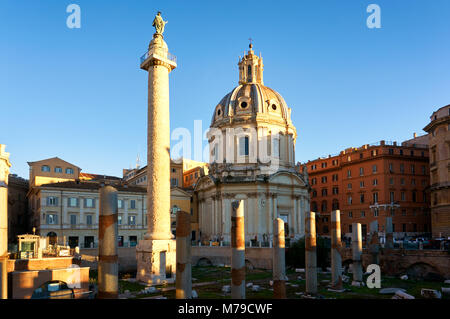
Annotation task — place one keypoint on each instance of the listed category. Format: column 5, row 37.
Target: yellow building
column 439, row 146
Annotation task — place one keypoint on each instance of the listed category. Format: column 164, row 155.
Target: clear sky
column 79, row 94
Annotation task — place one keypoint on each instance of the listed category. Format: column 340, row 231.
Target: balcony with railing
column 169, row 57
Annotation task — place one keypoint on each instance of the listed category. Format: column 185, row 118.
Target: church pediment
column 287, row 178
column 204, row 183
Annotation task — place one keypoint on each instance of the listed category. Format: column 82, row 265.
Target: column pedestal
column 156, row 260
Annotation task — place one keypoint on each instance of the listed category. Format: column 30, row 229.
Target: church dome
column 251, row 100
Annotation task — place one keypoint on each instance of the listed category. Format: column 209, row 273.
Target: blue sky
column 79, row 93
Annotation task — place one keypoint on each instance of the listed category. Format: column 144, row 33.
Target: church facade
column 252, row 157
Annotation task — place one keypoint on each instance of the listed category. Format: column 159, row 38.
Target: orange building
column 371, row 182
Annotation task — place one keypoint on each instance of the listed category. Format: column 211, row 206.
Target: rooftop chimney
column 415, row 135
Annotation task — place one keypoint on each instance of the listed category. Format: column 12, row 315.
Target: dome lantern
column 251, row 68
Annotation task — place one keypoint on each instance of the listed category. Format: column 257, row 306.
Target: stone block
column 430, row 293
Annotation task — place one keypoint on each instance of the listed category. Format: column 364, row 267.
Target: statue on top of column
column 159, row 23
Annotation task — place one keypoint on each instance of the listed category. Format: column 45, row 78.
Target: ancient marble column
column 389, row 244
column 183, row 281
column 357, row 253
column 310, row 253
column 279, row 264
column 374, row 242
column 155, row 254
column 4, row 172
column 237, row 250
column 336, row 258
column 108, row 262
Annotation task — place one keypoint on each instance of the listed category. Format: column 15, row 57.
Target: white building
column 252, row 156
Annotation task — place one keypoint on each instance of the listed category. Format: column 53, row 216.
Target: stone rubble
column 388, row 291
column 226, row 289
column 402, row 295
column 430, row 293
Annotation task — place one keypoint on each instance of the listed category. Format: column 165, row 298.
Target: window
column 391, row 181
column 392, row 197
column 391, row 151
column 391, row 167
column 314, row 193
column 402, row 181
column 324, row 164
column 349, row 185
column 401, row 152
column 349, row 173
column 132, row 240
column 52, row 201
column 349, row 158
column 69, row 170
column 350, row 229
column 413, row 169
column 412, row 153
column 375, row 182
column 423, row 170
column 51, row 219
column 361, row 171
column 324, row 179
column 349, row 200
column 375, row 197
column 132, row 204
column 374, row 169
column 350, row 214
column 403, row 212
column 324, row 206
column 361, row 198
column 313, row 181
column 131, row 220
column 174, row 170
column 361, row 184
column 88, row 219
column 374, row 152
column 89, row 202
column 361, row 155
column 119, row 219
column 243, row 146
column 174, row 182
column 402, row 168
column 325, row 229
column 335, row 177
column 120, row 203
column 363, row 213
column 402, row 196
column 414, row 196
column 404, row 228
column 120, row 241
column 335, row 190
column 45, row 168
column 73, row 219
column 375, row 213
column 58, row 169
column 72, row 202
column 324, row 192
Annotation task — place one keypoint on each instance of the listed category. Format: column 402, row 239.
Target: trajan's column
column 156, row 253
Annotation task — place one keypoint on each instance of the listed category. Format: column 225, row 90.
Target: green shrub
column 295, row 254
